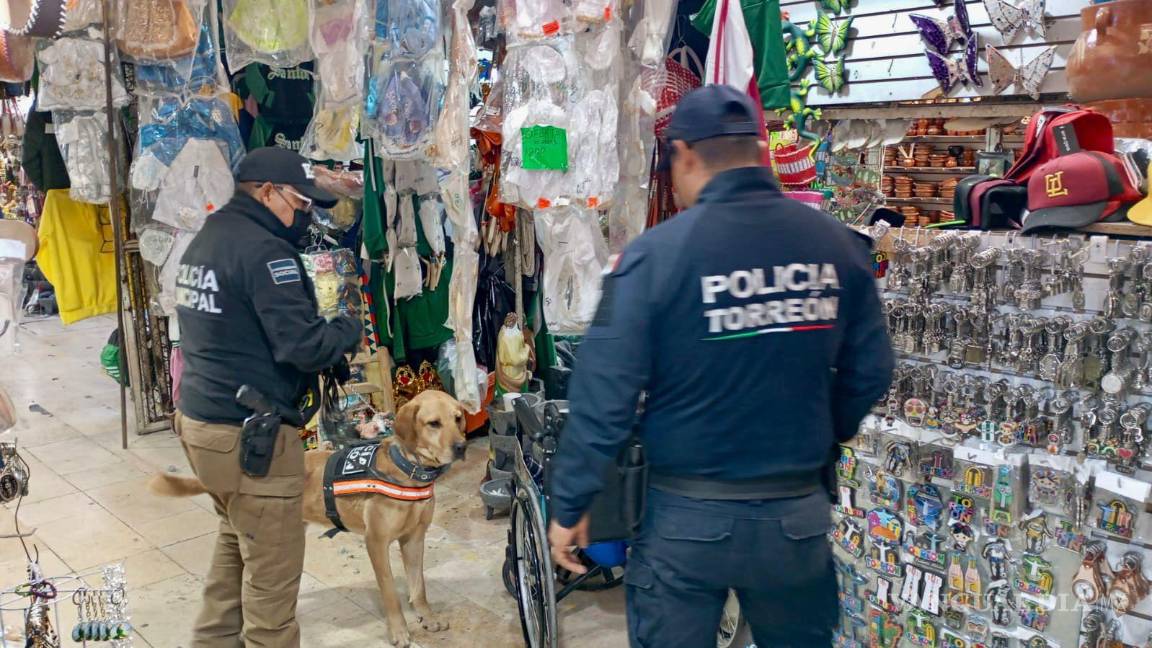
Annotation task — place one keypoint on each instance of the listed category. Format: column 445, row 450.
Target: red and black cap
column 283, row 167
column 1078, row 189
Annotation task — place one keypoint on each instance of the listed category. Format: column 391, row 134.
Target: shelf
column 919, row 201
column 1008, row 139
column 946, row 170
column 1119, row 229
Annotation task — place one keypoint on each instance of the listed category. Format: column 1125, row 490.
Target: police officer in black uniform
column 248, row 316
column 753, row 325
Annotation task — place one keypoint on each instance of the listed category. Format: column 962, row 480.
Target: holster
column 617, row 510
column 258, row 443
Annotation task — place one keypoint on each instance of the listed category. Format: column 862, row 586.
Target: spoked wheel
column 734, row 631
column 534, row 576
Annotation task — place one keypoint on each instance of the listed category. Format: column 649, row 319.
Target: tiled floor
column 89, row 505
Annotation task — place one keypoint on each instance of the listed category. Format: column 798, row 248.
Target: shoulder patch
column 284, row 271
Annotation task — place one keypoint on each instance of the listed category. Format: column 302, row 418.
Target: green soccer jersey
column 762, row 18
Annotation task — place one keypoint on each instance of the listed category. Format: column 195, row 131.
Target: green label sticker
column 544, row 148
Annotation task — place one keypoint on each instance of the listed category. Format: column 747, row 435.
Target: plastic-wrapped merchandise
column 81, row 137
column 403, row 105
column 169, row 271
column 201, row 72
column 156, row 244
column 337, row 284
column 574, row 257
column 595, row 166
column 539, row 87
column 595, row 11
column 81, row 14
column 158, row 30
column 533, row 19
column 71, row 77
column 408, row 29
column 332, row 134
column 198, row 182
column 273, row 32
column 342, row 182
column 339, row 38
column 166, row 123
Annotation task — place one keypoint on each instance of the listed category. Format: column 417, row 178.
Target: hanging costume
column 78, row 257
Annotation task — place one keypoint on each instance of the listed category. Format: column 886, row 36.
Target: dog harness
column 352, row 471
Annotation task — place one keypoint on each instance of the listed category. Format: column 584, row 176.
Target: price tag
column 544, row 148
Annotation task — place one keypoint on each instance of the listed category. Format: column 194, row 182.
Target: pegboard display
column 997, row 495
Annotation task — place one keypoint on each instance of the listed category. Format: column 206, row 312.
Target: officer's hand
column 341, row 372
column 563, row 541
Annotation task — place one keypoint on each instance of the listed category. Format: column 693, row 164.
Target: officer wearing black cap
column 248, row 316
column 752, row 324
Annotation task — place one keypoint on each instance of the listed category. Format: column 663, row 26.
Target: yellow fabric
column 78, row 256
column 1141, row 212
column 271, row 26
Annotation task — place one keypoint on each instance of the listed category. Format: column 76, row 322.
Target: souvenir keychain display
column 1009, row 455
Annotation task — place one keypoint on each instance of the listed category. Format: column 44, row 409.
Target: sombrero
column 44, row 18
column 17, row 57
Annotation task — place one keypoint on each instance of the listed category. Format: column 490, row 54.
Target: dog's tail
column 174, row 486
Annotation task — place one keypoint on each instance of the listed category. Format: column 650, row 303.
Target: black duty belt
column 779, row 487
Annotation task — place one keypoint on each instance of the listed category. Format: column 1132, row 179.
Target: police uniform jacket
column 248, row 316
column 754, row 326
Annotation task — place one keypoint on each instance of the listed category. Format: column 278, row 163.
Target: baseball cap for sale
column 708, row 112
column 1141, row 212
column 283, row 167
column 1078, row 189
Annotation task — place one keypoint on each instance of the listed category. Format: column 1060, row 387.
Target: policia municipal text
column 752, row 322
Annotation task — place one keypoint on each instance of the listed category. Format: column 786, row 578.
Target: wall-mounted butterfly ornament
column 835, row 6
column 1010, row 17
column 830, row 74
column 940, row 36
column 832, row 35
column 1027, row 78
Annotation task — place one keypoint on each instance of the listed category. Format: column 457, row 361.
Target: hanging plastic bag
column 198, row 73
column 273, row 32
column 197, row 184
column 158, row 30
column 71, row 79
column 82, row 140
column 595, row 12
column 403, row 105
column 333, row 133
column 408, row 29
column 166, row 123
column 155, row 245
column 574, row 257
column 337, row 284
column 525, row 20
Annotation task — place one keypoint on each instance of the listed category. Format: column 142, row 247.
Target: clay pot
column 1114, row 35
column 1130, row 117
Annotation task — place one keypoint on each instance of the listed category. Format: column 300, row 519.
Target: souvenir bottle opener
column 1129, row 585
column 1088, row 585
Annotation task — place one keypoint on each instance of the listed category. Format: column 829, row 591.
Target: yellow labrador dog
column 429, row 436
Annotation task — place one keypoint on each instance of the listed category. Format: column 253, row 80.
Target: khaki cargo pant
column 251, row 589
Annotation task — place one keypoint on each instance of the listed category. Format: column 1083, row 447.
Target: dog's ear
column 406, row 423
column 463, row 419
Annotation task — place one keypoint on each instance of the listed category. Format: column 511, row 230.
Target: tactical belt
column 353, row 471
column 780, row 487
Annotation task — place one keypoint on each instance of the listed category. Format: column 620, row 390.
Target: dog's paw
column 400, row 639
column 432, row 624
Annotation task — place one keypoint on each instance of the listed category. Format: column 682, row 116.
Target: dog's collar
column 413, row 470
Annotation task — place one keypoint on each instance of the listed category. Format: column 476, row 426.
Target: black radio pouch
column 258, row 444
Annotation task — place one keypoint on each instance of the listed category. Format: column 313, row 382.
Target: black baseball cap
column 711, row 111
column 283, row 167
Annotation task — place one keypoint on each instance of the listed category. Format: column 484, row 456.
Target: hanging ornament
column 950, row 72
column 1009, row 18
column 835, row 6
column 941, row 35
column 1027, row 79
column 832, row 35
column 830, row 74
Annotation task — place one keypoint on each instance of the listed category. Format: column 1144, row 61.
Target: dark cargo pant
column 773, row 553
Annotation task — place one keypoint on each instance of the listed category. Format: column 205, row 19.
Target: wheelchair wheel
column 734, row 631
column 534, row 577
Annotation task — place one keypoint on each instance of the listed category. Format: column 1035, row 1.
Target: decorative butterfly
column 830, row 75
column 1009, row 18
column 1027, row 79
column 941, row 35
column 832, row 34
column 950, row 72
column 835, row 6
